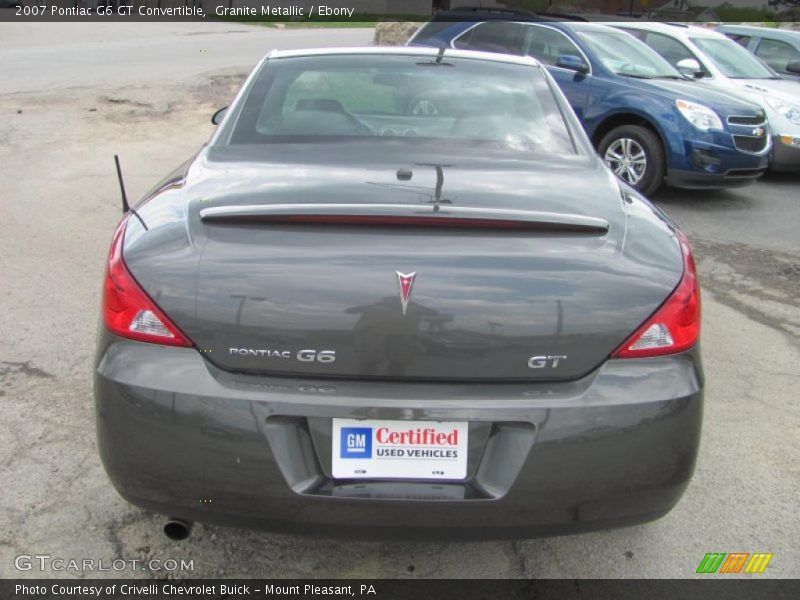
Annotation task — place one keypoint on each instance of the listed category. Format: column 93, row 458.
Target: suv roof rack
column 489, row 13
column 564, row 16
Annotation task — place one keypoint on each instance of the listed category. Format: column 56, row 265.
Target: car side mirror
column 216, row 119
column 572, row 62
column 793, row 66
column 691, row 68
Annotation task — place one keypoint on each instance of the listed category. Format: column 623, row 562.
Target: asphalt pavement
column 51, row 56
column 72, row 97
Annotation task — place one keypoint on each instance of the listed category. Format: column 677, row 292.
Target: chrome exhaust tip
column 177, row 529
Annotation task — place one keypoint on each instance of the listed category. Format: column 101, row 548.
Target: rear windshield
column 402, row 98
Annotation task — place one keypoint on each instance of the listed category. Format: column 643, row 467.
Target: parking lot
column 71, row 97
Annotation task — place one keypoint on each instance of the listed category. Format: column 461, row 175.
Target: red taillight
column 675, row 326
column 127, row 309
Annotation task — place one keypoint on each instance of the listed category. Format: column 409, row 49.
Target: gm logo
column 356, row 442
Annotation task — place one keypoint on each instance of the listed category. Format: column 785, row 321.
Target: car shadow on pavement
column 715, row 199
column 669, row 197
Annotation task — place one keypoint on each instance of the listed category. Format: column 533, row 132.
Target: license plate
column 366, row 449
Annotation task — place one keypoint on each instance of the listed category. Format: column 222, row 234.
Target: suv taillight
column 675, row 326
column 127, row 309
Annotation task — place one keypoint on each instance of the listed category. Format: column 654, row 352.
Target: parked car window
column 672, row 50
column 494, row 36
column 637, row 33
column 742, row 40
column 410, row 99
column 733, row 60
column 432, row 29
column 627, row 56
column 777, row 54
column 546, row 45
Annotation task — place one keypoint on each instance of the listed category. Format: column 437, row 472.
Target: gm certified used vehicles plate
column 345, row 317
column 367, row 449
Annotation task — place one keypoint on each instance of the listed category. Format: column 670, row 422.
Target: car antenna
column 438, row 61
column 125, row 206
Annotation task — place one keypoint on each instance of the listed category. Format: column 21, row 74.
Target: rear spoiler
column 410, row 215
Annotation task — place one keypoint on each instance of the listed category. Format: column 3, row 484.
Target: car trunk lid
column 494, row 274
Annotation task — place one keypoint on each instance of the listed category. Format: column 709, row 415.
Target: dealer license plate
column 399, row 449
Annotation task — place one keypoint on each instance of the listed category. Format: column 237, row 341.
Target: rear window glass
column 407, row 98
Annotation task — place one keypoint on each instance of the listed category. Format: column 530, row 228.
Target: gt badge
column 406, row 281
column 543, row 362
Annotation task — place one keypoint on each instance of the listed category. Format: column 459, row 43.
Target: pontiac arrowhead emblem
column 406, row 282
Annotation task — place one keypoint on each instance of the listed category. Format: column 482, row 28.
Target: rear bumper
column 179, row 437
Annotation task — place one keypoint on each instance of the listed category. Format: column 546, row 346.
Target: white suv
column 714, row 59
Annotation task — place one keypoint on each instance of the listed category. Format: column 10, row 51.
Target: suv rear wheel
column 635, row 155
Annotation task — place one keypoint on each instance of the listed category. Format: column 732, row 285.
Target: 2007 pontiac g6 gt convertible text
column 349, row 315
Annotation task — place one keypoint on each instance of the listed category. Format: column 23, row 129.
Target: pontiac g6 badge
column 406, row 281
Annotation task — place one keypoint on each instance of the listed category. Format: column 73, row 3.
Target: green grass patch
column 755, row 16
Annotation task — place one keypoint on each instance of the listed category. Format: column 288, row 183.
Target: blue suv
column 649, row 123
